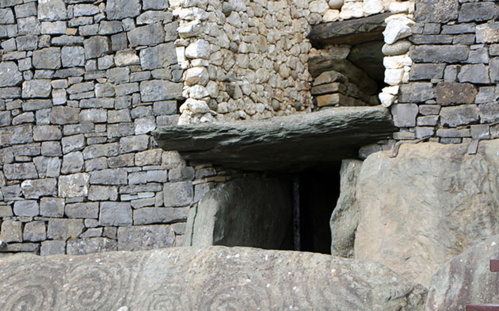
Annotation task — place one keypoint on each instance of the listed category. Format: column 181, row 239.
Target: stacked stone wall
column 82, row 83
column 452, row 94
column 243, row 59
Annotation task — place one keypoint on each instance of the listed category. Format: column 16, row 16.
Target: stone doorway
column 319, row 191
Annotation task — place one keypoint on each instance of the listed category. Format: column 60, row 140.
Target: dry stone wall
column 452, row 94
column 82, row 83
column 243, row 59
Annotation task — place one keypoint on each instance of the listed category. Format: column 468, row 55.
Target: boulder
column 466, row 279
column 427, row 205
column 214, row 278
column 254, row 212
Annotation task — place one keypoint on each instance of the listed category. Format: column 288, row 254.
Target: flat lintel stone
column 350, row 32
column 288, row 143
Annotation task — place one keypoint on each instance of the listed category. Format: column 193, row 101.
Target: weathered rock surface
column 426, row 206
column 345, row 217
column 466, row 279
column 350, row 32
column 281, row 143
column 252, row 212
column 215, row 278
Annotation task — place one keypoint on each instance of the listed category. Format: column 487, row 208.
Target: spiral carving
column 97, row 285
column 31, row 285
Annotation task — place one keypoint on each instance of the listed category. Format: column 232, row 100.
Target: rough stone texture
column 345, row 217
column 455, row 93
column 210, row 278
column 466, row 279
column 350, row 32
column 425, row 206
column 243, row 212
column 437, row 11
column 291, row 142
column 145, row 237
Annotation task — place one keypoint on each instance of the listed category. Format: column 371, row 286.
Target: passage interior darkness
column 319, row 191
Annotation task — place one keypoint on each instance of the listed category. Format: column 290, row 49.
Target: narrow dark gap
column 319, row 191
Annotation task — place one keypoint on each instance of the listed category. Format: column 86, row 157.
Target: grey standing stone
column 73, row 56
column 49, row 58
column 35, row 231
column 101, row 150
column 145, row 237
column 36, row 89
column 345, row 217
column 20, row 171
column 16, row 135
column 90, row 246
column 87, row 210
column 52, row 10
column 62, row 229
column 96, row 46
column 75, row 185
column 53, row 248
column 26, row 208
column 147, row 35
column 52, row 207
column 120, row 9
column 404, row 115
column 51, row 149
column 115, row 214
column 460, row 115
column 178, row 193
column 34, row 189
column 9, row 74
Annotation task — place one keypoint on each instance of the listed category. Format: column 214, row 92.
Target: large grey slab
column 215, row 278
column 282, row 143
column 350, row 32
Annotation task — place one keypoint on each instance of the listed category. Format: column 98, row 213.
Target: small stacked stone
column 243, row 59
column 452, row 93
column 337, row 10
column 82, row 83
column 332, row 88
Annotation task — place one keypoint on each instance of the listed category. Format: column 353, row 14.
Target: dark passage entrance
column 319, row 191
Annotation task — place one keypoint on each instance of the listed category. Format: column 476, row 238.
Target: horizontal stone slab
column 350, row 32
column 288, row 143
column 213, row 278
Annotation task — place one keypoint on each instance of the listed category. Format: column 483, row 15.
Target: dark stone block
column 427, row 72
column 416, row 92
column 478, row 12
column 459, row 115
column 431, row 39
column 455, row 93
column 439, row 53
